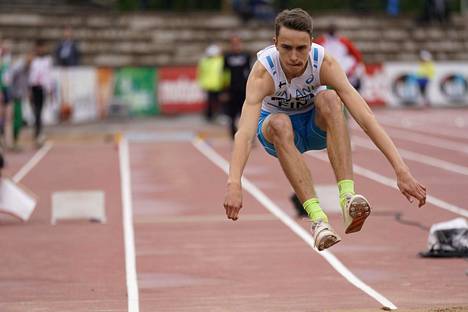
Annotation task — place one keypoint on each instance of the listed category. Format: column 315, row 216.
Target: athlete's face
column 293, row 47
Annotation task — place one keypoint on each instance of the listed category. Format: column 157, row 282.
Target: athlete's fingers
column 423, row 191
column 228, row 211
column 408, row 196
column 422, row 199
column 422, row 196
column 422, row 202
column 232, row 213
column 235, row 214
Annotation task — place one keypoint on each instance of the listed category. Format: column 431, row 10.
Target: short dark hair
column 296, row 19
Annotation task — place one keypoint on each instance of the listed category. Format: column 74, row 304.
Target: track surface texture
column 189, row 257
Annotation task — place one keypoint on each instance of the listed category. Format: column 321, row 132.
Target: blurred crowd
column 223, row 77
column 26, row 79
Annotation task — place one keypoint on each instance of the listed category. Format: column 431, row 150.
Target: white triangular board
column 16, row 200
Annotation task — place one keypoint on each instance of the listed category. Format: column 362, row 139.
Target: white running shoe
column 324, row 235
column 355, row 212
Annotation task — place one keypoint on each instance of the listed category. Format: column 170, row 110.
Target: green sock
column 345, row 187
column 312, row 206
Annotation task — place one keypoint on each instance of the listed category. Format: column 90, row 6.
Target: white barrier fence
column 89, row 91
column 397, row 86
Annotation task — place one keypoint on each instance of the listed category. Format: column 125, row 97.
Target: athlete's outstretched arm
column 332, row 75
column 259, row 85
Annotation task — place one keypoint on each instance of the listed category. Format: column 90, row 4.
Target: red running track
column 190, row 258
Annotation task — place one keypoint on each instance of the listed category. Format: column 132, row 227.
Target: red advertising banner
column 178, row 91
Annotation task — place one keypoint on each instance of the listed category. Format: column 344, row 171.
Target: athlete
column 290, row 110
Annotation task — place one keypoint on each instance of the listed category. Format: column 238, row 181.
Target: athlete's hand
column 233, row 201
column 411, row 188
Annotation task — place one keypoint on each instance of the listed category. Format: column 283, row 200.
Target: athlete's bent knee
column 280, row 126
column 328, row 104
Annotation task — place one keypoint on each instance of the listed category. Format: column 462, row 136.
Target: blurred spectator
column 210, row 78
column 393, row 7
column 237, row 63
column 40, row 81
column 425, row 74
column 259, row 9
column 2, row 163
column 435, row 10
column 5, row 94
column 243, row 9
column 67, row 52
column 344, row 51
column 20, row 92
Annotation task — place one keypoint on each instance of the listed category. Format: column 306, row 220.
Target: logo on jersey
column 284, row 100
column 310, row 80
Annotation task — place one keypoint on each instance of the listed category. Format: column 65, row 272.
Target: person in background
column 237, row 64
column 345, row 52
column 6, row 110
column 40, row 83
column 435, row 10
column 210, row 78
column 425, row 74
column 393, row 7
column 67, row 52
column 2, row 163
column 20, row 92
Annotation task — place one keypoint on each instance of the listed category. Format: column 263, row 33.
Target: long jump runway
column 167, row 245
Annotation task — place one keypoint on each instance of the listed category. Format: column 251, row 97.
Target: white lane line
column 202, row 219
column 407, row 124
column 212, row 155
column 393, row 184
column 130, row 263
column 421, row 158
column 426, row 140
column 32, row 162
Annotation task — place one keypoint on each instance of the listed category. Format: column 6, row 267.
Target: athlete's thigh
column 318, row 119
column 310, row 136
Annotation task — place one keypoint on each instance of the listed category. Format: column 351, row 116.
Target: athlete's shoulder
column 317, row 45
column 268, row 58
column 259, row 71
column 260, row 81
column 269, row 50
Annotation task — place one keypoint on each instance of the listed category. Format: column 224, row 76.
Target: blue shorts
column 307, row 135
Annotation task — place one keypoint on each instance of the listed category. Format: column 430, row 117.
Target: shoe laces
column 314, row 224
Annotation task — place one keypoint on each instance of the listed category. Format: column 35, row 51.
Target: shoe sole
column 326, row 239
column 358, row 211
